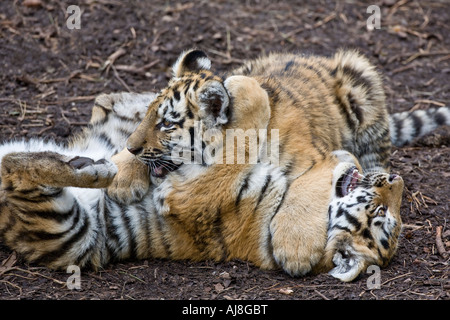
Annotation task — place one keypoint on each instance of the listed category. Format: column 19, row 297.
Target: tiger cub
column 88, row 203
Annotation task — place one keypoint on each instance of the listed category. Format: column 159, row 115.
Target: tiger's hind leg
column 114, row 118
column 131, row 107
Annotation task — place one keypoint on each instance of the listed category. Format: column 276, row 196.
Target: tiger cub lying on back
column 90, row 203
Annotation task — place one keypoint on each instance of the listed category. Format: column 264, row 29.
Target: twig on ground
column 138, row 70
column 112, row 58
column 439, row 244
column 116, row 74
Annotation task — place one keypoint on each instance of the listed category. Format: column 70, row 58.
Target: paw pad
column 80, row 162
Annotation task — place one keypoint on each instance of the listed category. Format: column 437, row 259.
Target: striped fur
column 47, row 214
column 94, row 201
column 408, row 125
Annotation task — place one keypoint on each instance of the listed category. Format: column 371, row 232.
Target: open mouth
column 160, row 169
column 348, row 182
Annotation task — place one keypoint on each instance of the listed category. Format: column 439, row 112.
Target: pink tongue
column 355, row 178
column 158, row 171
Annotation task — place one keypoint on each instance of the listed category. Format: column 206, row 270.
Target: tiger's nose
column 393, row 177
column 135, row 151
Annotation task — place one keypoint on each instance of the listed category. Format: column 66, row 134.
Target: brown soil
column 50, row 76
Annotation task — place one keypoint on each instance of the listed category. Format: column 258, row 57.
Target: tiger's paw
column 128, row 190
column 92, row 174
column 296, row 261
column 296, row 248
column 132, row 181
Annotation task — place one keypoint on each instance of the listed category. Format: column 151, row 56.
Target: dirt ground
column 50, row 75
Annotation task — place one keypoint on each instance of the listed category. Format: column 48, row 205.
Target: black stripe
column 316, row 71
column 280, row 204
column 359, row 79
column 174, row 114
column 343, row 109
column 352, row 220
column 247, row 69
column 378, row 223
column 263, row 190
column 190, row 62
column 218, row 233
column 50, row 257
column 145, row 225
column 269, row 247
column 357, row 110
column 268, row 241
column 189, row 113
column 195, row 86
column 339, row 212
column 332, row 72
column 31, row 236
column 36, row 199
column 384, row 243
column 160, row 224
column 288, row 167
column 9, row 224
column 385, row 260
column 318, row 144
column 127, row 226
column 289, row 65
column 386, row 233
column 337, row 226
column 272, row 92
column 107, row 140
column 361, row 199
column 176, row 95
column 439, row 118
column 187, row 84
column 94, row 243
column 124, row 132
column 244, row 187
column 110, row 228
column 50, row 215
column 367, row 234
column 165, row 109
column 417, row 124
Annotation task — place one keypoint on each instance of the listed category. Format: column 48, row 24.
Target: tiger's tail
column 408, row 125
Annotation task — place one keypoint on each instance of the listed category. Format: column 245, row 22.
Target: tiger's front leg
column 47, row 223
column 132, row 181
column 299, row 229
column 28, row 174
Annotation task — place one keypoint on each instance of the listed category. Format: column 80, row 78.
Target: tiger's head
column 192, row 112
column 364, row 220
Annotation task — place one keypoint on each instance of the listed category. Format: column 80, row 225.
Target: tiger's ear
column 191, row 61
column 213, row 101
column 348, row 263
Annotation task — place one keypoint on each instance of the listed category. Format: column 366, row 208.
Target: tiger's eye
column 381, row 211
